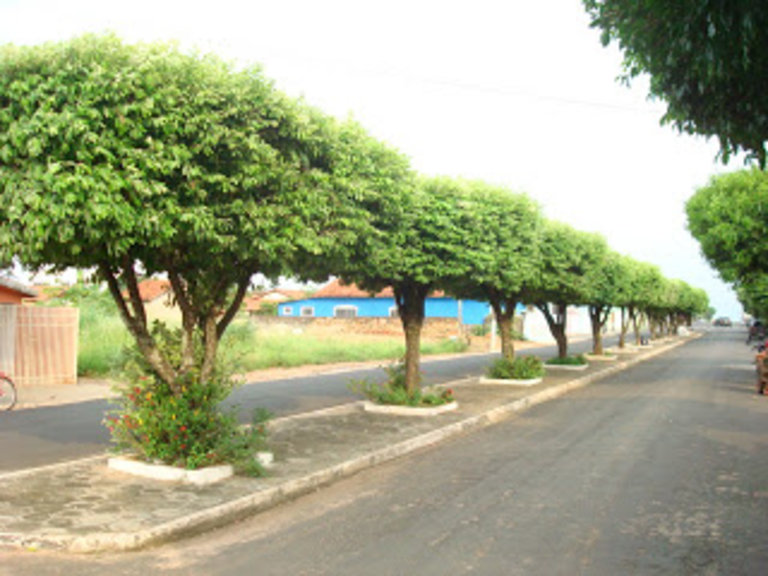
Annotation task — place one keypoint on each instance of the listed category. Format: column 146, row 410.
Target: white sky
column 514, row 92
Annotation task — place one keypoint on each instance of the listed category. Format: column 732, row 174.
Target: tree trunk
column 410, row 300
column 595, row 319
column 557, row 326
column 210, row 347
column 189, row 323
column 624, row 328
column 412, row 328
column 505, row 317
column 136, row 322
column 653, row 326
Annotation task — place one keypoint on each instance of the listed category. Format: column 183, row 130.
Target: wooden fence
column 38, row 345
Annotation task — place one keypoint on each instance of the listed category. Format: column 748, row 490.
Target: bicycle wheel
column 7, row 394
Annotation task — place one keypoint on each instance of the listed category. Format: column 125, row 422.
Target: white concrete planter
column 266, row 459
column 601, row 357
column 510, row 381
column 408, row 410
column 567, row 367
column 200, row 477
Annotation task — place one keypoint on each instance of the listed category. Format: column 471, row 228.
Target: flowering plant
column 184, row 425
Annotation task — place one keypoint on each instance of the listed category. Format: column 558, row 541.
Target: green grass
column 103, row 339
column 567, row 361
column 251, row 349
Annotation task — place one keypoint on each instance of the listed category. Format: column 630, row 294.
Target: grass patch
column 102, row 344
column 103, row 340
column 521, row 368
column 393, row 391
column 253, row 349
column 568, row 361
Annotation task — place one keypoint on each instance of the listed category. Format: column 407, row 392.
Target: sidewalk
column 84, row 507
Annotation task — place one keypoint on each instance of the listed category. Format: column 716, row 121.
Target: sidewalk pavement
column 82, row 506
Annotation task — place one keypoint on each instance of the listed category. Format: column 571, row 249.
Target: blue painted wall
column 473, row 312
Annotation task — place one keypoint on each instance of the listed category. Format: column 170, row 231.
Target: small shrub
column 393, row 391
column 183, row 427
column 480, row 330
column 521, row 368
column 568, row 361
column 186, row 430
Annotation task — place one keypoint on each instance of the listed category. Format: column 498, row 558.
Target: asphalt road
column 42, row 436
column 660, row 469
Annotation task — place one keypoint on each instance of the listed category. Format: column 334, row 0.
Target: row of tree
column 136, row 159
column 729, row 218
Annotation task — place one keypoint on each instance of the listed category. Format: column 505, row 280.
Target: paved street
column 59, row 433
column 657, row 470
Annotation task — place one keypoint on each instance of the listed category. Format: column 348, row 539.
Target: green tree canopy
column 707, row 60
column 501, row 237
column 567, row 257
column 417, row 247
column 729, row 218
column 606, row 287
column 142, row 159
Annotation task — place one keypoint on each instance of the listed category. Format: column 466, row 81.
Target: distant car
column 723, row 321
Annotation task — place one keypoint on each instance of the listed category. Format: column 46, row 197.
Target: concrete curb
column 241, row 508
column 511, row 381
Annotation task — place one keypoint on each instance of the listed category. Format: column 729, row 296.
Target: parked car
column 723, row 321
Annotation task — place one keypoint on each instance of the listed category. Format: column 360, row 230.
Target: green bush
column 521, row 368
column 480, row 330
column 568, row 361
column 186, row 426
column 394, row 392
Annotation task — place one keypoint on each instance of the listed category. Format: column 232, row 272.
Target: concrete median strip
column 269, row 493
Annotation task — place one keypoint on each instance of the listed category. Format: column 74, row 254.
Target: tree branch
column 242, row 288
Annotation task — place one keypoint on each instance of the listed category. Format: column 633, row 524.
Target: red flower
column 183, row 428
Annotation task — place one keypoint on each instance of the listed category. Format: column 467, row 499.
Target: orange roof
column 151, row 289
column 17, row 288
column 335, row 289
column 254, row 301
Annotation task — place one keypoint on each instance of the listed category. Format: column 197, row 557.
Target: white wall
column 535, row 326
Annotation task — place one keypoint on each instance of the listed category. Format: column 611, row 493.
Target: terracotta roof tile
column 17, row 287
column 335, row 289
column 254, row 301
column 152, row 289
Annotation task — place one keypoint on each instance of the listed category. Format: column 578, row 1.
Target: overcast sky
column 514, row 92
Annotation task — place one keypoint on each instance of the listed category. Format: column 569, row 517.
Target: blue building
column 337, row 301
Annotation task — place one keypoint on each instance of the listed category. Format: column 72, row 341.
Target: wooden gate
column 44, row 344
column 7, row 337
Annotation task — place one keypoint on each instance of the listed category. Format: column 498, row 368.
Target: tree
column 728, row 217
column 707, row 60
column 625, row 296
column 417, row 245
column 605, row 287
column 692, row 303
column 754, row 296
column 142, row 159
column 567, row 255
column 501, row 236
column 649, row 283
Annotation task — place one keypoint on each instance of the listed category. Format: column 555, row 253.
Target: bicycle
column 7, row 392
